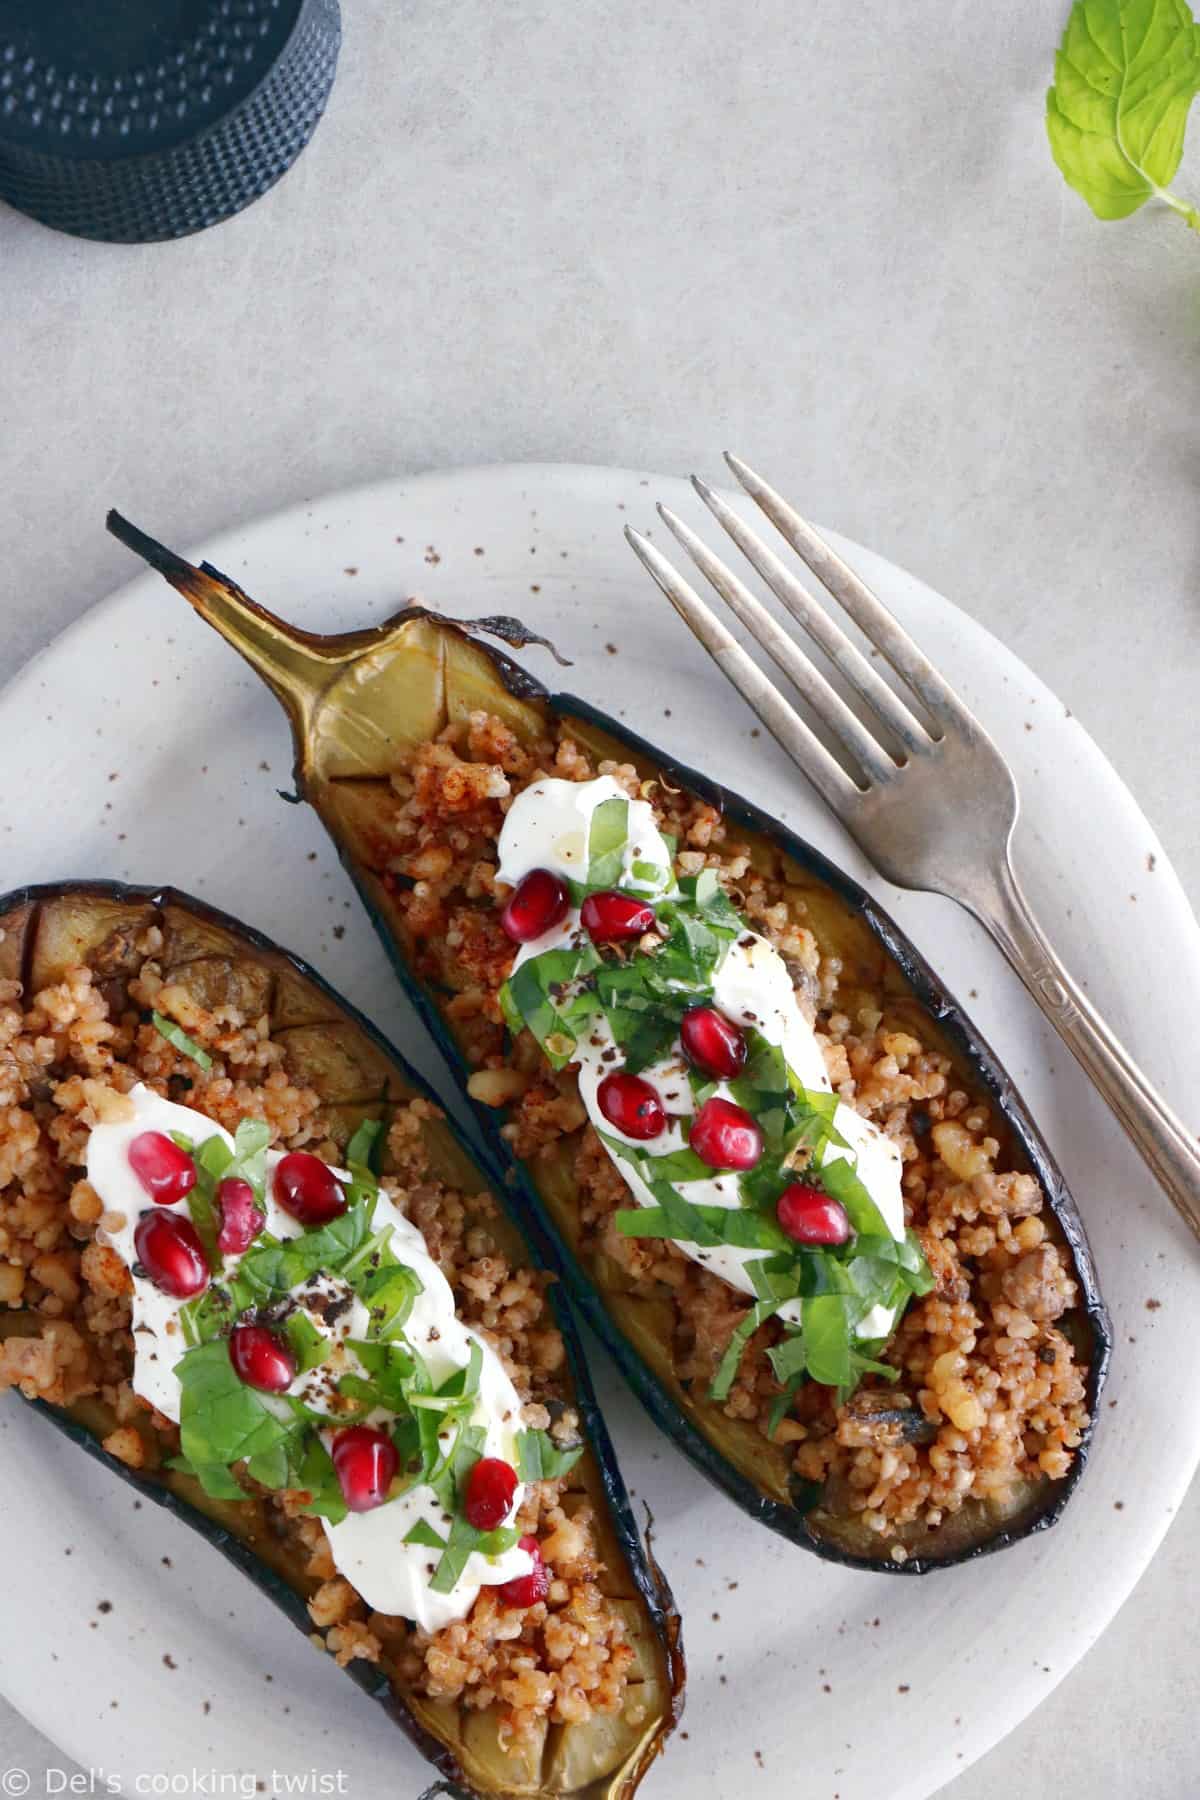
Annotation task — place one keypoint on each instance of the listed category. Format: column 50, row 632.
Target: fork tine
column 785, row 725
column 867, row 611
column 874, row 761
column 820, row 626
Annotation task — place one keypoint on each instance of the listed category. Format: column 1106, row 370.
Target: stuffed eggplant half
column 787, row 1180
column 244, row 1260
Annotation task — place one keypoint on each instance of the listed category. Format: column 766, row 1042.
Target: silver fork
column 939, row 815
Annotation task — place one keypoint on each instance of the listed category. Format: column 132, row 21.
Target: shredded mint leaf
column 250, row 1155
column 544, row 995
column 729, row 1364
column 175, row 1034
column 273, row 1267
column 366, row 1145
column 307, row 1343
column 423, row 1533
column 1125, row 76
column 203, row 1213
column 458, row 1391
column 315, row 1473
column 606, row 843
column 462, row 1541
column 221, row 1420
column 390, row 1294
column 827, row 1328
column 448, row 1479
column 540, row 1459
column 840, row 1180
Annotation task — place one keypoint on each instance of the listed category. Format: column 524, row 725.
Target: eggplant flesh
column 358, row 704
column 357, row 1074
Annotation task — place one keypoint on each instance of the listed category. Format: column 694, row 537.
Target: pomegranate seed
column 725, row 1136
column 261, row 1359
column 527, row 1590
column 811, row 1217
column 165, row 1171
column 490, row 1489
column 365, row 1462
column 307, row 1188
column 538, row 901
column 632, row 1105
column 169, row 1249
column 610, row 918
column 711, row 1044
column 241, row 1218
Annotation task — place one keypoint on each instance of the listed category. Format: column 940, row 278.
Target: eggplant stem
column 297, row 665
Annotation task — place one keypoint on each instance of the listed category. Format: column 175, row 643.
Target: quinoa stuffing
column 69, row 1056
column 991, row 1392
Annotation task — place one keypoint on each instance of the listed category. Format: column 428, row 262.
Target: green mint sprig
column 1125, row 76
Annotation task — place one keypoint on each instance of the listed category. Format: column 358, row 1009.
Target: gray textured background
column 828, row 235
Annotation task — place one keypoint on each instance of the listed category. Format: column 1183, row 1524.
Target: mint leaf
column 390, row 1294
column 544, row 994
column 606, row 843
column 1125, row 77
column 423, row 1533
column 826, row 1332
column 306, row 1342
column 314, row 1472
column 175, row 1034
column 221, row 1420
column 462, row 1541
column 366, row 1145
column 729, row 1364
column 540, row 1459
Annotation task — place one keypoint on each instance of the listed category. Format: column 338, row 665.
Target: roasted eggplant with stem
column 361, row 705
column 328, row 1048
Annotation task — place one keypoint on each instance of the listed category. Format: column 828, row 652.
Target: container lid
column 153, row 118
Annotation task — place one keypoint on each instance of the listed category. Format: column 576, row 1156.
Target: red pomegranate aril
column 527, row 1590
column 171, row 1255
column 711, row 1044
column 241, row 1217
column 612, row 918
column 307, row 1189
column 811, row 1217
column 365, row 1462
column 490, row 1489
column 725, row 1136
column 261, row 1359
column 165, row 1171
column 538, row 901
column 632, row 1105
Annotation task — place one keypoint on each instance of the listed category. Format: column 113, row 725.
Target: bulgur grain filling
column 70, row 1056
column 991, row 1389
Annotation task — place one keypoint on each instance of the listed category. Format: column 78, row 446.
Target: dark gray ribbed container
column 133, row 120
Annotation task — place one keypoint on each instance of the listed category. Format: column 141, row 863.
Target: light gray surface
column 828, row 236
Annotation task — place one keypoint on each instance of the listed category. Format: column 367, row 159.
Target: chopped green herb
column 463, row 1540
column 606, row 843
column 307, row 1343
column 423, row 1533
column 540, row 1459
column 175, row 1034
column 221, row 1420
column 366, row 1146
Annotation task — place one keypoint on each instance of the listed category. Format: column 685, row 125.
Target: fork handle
column 1167, row 1145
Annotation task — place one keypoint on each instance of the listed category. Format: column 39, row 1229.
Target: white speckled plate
column 137, row 746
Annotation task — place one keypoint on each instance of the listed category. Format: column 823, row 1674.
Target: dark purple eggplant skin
column 648, row 1577
column 794, row 1522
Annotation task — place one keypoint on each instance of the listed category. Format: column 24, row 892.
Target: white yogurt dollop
column 547, row 827
column 368, row 1548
